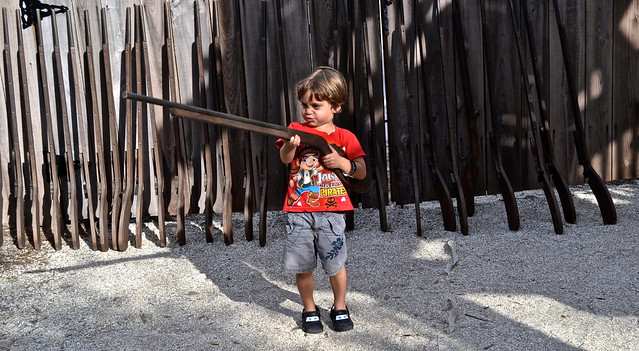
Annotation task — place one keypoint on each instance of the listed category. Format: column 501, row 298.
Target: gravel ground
column 491, row 290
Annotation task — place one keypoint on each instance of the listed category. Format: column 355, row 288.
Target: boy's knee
column 304, row 275
column 340, row 273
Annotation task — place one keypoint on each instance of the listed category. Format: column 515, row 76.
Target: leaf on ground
column 454, row 259
column 453, row 315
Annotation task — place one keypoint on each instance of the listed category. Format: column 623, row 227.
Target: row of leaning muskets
column 463, row 180
column 540, row 140
column 100, row 177
column 69, row 184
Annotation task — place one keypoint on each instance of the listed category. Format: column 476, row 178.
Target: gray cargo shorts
column 311, row 235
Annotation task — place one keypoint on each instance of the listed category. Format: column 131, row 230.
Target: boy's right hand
column 287, row 152
column 294, row 141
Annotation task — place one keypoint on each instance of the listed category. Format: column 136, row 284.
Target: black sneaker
column 311, row 322
column 341, row 320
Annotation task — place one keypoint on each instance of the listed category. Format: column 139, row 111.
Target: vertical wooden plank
column 508, row 95
column 234, row 91
column 626, row 90
column 322, row 16
column 152, row 18
column 472, row 35
column 297, row 48
column 184, row 34
column 447, row 74
column 598, row 90
column 437, row 122
column 255, row 61
column 365, row 119
column 399, row 119
column 277, row 172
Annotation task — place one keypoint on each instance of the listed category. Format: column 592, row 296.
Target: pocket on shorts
column 294, row 225
column 337, row 222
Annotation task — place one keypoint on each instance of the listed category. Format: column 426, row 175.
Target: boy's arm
column 287, row 151
column 355, row 168
column 360, row 172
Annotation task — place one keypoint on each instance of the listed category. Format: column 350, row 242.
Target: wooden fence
column 116, row 161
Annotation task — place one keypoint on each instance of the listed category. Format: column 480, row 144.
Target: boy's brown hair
column 325, row 84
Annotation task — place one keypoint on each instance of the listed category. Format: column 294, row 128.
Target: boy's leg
column 339, row 313
column 305, row 282
column 338, row 284
column 310, row 316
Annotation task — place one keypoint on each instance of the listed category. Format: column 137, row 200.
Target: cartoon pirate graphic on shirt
column 307, row 179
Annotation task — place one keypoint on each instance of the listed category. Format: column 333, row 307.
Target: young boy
column 316, row 199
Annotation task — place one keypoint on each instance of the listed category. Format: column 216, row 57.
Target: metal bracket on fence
column 28, row 11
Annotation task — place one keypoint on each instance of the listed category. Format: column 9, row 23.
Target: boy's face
column 317, row 114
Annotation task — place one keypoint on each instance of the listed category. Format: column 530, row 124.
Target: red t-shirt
column 311, row 187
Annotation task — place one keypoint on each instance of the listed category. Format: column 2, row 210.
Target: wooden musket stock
column 242, row 123
column 505, row 187
column 599, row 189
column 441, row 189
column 19, row 191
column 537, row 148
column 561, row 185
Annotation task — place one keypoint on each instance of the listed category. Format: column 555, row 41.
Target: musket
column 18, row 151
column 56, row 212
column 68, row 139
column 561, row 185
column 470, row 173
column 103, row 219
column 158, row 157
column 412, row 140
column 249, row 181
column 116, row 198
column 350, row 68
column 452, row 133
column 264, row 157
column 599, row 189
column 2, row 205
column 127, row 191
column 178, row 128
column 535, row 140
column 249, row 125
column 26, row 118
column 441, row 189
column 140, row 124
column 378, row 163
column 224, row 148
column 282, row 55
column 505, row 187
column 82, row 128
column 208, row 154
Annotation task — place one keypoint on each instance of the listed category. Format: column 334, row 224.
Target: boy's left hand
column 335, row 161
